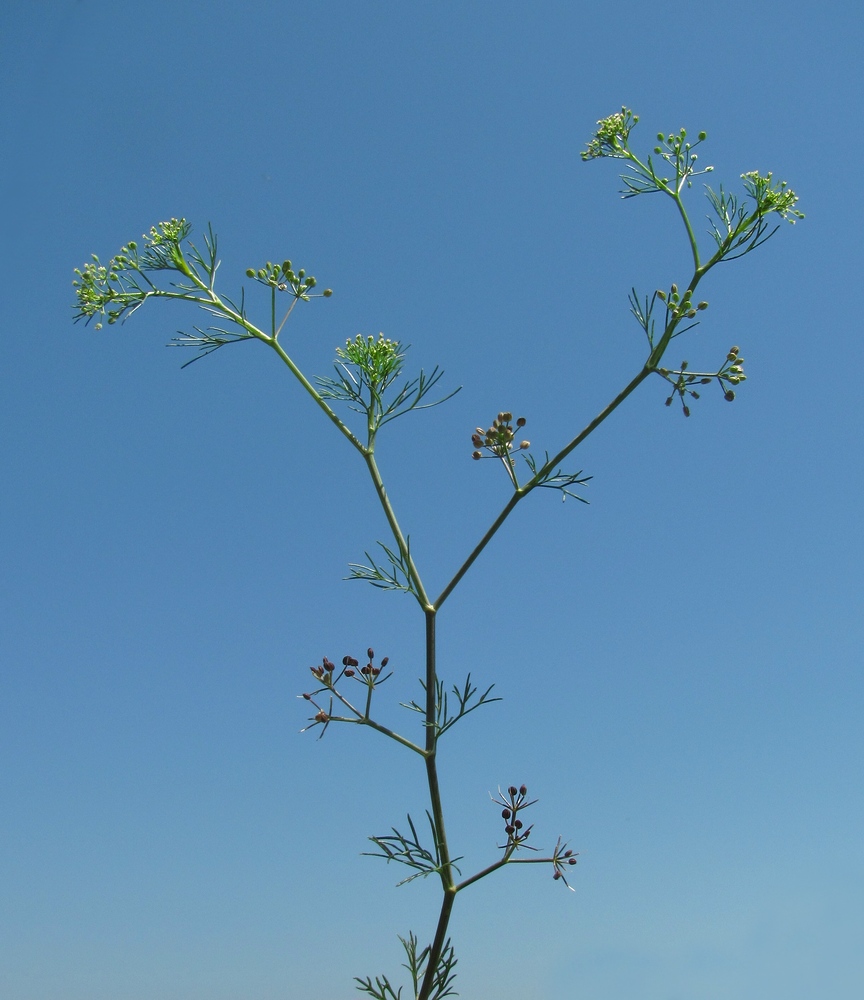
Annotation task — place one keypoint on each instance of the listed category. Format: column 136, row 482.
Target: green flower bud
column 729, row 395
column 703, row 136
column 327, row 293
column 702, row 305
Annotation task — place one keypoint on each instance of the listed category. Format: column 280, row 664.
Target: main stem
column 442, row 850
column 431, row 740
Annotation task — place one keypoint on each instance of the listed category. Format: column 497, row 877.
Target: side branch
column 595, row 423
column 541, row 473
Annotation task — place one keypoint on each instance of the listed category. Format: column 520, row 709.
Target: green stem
column 698, row 274
column 366, row 721
column 658, row 352
column 507, row 859
column 674, row 194
column 478, row 548
column 437, row 945
column 592, row 426
column 431, row 748
column 285, row 317
column 185, row 296
column 545, row 470
column 212, row 300
column 307, row 385
column 442, row 849
column 389, row 732
column 482, row 874
column 273, row 313
column 694, row 246
column 372, row 466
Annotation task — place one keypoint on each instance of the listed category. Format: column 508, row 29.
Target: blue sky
column 680, row 661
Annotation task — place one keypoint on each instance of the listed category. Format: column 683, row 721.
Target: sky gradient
column 680, row 661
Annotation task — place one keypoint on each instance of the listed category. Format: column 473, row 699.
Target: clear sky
column 680, row 661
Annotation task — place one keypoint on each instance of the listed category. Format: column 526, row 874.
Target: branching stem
column 379, row 362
